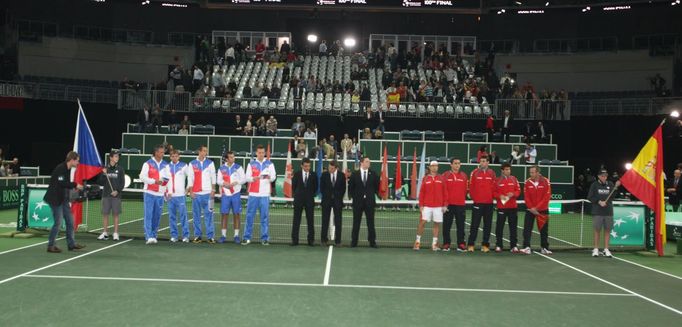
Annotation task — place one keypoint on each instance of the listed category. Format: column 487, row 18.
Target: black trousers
column 309, row 218
column 481, row 212
column 510, row 216
column 528, row 223
column 338, row 214
column 456, row 214
column 358, row 210
column 676, row 207
column 505, row 134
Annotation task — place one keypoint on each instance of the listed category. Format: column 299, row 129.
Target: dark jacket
column 599, row 192
column 333, row 195
column 116, row 177
column 674, row 198
column 60, row 184
column 363, row 194
column 304, row 193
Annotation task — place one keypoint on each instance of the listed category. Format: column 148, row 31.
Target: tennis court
column 130, row 283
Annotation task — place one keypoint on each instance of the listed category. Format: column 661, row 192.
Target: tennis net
column 570, row 224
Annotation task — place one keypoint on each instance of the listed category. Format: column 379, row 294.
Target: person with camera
column 58, row 197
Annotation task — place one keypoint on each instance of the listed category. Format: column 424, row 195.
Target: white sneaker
column 173, row 239
column 595, row 252
column 103, row 237
column 149, row 241
column 185, row 240
column 546, row 251
column 607, row 253
column 498, row 249
column 116, row 237
column 515, row 250
column 526, row 250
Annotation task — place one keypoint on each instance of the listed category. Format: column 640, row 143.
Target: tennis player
column 261, row 174
column 200, row 187
column 457, row 183
column 153, row 175
column 537, row 192
column 481, row 187
column 433, row 202
column 176, row 196
column 507, row 190
column 230, row 180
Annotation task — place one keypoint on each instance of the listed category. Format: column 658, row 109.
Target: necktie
column 305, row 178
column 333, row 179
column 364, row 178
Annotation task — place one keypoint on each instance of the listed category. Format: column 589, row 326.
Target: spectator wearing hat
column 602, row 210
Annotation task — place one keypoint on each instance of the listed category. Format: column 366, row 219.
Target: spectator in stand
column 230, row 56
column 3, row 173
column 309, row 133
column 506, row 125
column 248, row 126
column 271, row 126
column 528, row 132
column 368, row 119
column 378, row 135
column 260, row 50
column 257, row 90
column 298, row 92
column 238, row 125
column 493, row 158
column 355, row 148
column 542, row 136
column 260, row 126
column 322, row 49
column 144, row 118
column 13, row 168
column 184, row 130
column 285, row 48
column 482, row 151
column 173, row 122
column 297, row 124
column 380, row 121
column 530, row 154
column 333, row 143
column 301, row 148
column 176, row 76
column 346, row 144
column 490, row 126
column 673, row 190
column 367, row 134
column 300, row 132
column 185, row 121
column 197, row 79
column 562, row 99
column 157, row 118
column 516, row 156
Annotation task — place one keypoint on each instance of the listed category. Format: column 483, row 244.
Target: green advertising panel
column 628, row 226
column 39, row 214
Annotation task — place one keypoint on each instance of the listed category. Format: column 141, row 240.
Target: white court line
column 165, row 280
column 649, row 268
column 63, row 261
column 328, row 268
column 612, row 284
column 29, row 246
column 125, row 223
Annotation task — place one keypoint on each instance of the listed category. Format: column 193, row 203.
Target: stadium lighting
column 628, row 166
column 675, row 3
column 146, row 2
column 518, row 3
column 349, row 42
column 312, row 38
column 547, row 4
column 675, row 114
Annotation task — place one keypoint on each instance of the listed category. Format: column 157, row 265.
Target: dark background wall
column 43, row 132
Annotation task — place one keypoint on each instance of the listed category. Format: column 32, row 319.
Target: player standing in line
column 176, row 196
column 433, row 202
column 481, row 187
column 507, row 190
column 200, row 187
column 230, row 179
column 261, row 174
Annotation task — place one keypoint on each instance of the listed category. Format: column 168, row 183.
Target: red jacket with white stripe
column 504, row 186
column 537, row 194
column 433, row 192
column 457, row 185
column 482, row 185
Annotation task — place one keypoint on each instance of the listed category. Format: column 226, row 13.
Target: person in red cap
column 506, row 192
column 457, row 183
column 537, row 192
column 481, row 187
column 433, row 203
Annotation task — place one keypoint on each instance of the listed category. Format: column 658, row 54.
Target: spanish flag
column 645, row 181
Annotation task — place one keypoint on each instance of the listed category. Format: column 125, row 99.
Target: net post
column 582, row 221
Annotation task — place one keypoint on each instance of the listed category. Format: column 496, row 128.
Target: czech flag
column 90, row 163
column 645, row 181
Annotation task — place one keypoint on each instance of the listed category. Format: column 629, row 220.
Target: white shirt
column 237, row 175
column 198, row 74
column 364, row 175
column 229, row 53
column 260, row 168
column 506, row 122
column 208, row 175
column 309, row 134
column 323, row 47
column 530, row 155
column 149, row 182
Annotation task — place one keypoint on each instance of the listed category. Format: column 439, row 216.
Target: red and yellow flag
column 645, row 181
column 383, row 182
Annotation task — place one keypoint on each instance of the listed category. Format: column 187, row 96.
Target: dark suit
column 506, row 130
column 304, row 198
column 60, row 184
column 297, row 92
column 674, row 197
column 363, row 195
column 332, row 198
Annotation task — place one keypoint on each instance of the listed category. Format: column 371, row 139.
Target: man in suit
column 333, row 188
column 674, row 190
column 304, row 185
column 363, row 187
column 506, row 125
column 57, row 196
column 297, row 91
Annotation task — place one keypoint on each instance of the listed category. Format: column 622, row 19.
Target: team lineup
column 441, row 199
